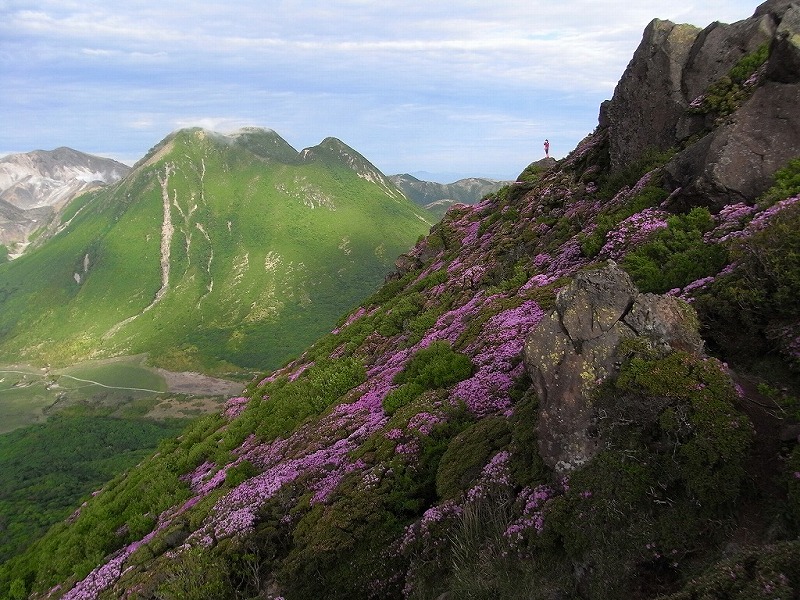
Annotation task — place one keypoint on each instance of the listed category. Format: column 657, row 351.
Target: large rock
column 784, row 60
column 649, row 100
column 581, row 343
column 673, row 66
column 737, row 161
column 719, row 47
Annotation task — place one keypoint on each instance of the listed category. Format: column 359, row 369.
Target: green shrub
column 665, row 485
column 709, row 437
column 399, row 313
column 402, row 396
column 650, row 195
column 436, row 366
column 194, row 575
column 761, row 296
column 767, row 572
column 628, row 175
column 467, row 453
column 240, row 473
column 726, row 95
column 787, row 183
column 339, row 550
column 677, row 255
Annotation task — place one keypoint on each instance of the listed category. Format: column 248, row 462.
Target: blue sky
column 455, row 88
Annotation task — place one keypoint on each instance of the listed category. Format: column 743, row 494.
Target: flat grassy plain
column 120, row 387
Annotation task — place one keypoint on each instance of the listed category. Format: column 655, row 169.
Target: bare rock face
column 581, row 343
column 674, row 66
column 649, row 100
column 784, row 63
column 732, row 163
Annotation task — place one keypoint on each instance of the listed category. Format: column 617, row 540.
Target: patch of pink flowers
column 235, row 406
column 632, row 232
column 497, row 355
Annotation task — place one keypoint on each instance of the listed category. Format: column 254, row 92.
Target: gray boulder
column 582, row 343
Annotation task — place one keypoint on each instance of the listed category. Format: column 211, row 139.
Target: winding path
column 110, row 387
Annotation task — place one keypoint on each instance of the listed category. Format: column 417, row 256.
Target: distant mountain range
column 216, row 253
column 35, row 185
column 438, row 197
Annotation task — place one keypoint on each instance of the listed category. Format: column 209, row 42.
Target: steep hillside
column 527, row 409
column 39, row 183
column 438, row 197
column 217, row 253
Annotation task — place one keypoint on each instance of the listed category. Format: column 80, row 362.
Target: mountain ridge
column 41, row 182
column 195, row 211
column 440, row 197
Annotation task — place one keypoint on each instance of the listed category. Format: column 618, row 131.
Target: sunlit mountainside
column 217, row 253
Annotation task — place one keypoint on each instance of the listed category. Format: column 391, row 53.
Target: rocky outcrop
column 582, row 342
column 672, row 70
column 649, row 98
column 784, row 64
column 737, row 161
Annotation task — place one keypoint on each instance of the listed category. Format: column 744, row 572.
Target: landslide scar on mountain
column 167, row 231
column 166, row 236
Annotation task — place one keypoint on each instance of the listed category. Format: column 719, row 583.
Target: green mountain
column 216, row 253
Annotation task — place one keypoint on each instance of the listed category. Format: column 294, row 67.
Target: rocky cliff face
column 678, row 92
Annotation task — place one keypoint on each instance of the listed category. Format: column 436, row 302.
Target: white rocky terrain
column 35, row 185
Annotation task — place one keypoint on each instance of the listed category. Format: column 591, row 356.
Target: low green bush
column 760, row 299
column 677, row 255
column 435, row 367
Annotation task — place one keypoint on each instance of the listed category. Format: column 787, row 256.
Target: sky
column 447, row 89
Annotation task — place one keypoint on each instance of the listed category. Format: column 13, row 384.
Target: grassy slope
column 322, row 262
column 375, row 476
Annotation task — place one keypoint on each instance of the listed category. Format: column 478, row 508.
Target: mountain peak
column 266, row 143
column 52, row 177
column 334, row 151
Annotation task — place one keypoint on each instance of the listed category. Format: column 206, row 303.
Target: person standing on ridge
column 547, row 148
